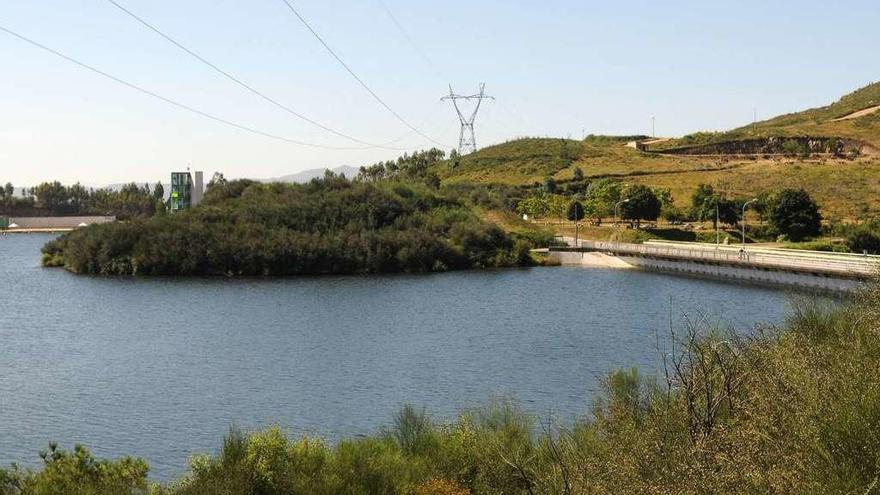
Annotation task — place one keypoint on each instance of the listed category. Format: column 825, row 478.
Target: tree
column 533, row 206
column 729, row 210
column 52, row 196
column 664, row 194
column 455, row 158
column 795, row 214
column 159, row 191
column 709, row 205
column 79, row 197
column 9, row 189
column 557, row 205
column 578, row 173
column 550, row 185
column 792, row 147
column 601, row 197
column 218, row 179
column 575, row 211
column 575, row 214
column 643, row 204
column 702, row 203
column 864, row 240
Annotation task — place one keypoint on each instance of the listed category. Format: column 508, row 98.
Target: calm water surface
column 160, row 368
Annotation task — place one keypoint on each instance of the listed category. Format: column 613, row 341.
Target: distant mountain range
column 307, row 175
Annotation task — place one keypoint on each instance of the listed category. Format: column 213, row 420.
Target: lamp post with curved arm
column 616, row 215
column 747, row 203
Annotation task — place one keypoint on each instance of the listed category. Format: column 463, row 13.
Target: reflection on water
column 160, row 368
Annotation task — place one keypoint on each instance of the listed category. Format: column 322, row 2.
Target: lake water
column 160, row 368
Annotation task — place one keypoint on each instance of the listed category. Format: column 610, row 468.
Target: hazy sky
column 556, row 67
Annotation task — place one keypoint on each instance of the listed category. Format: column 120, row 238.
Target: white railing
column 845, row 266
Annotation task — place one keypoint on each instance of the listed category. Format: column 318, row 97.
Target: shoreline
column 36, row 231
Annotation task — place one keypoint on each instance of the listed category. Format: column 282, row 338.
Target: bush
column 864, row 240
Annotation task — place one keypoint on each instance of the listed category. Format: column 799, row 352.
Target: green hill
column 530, row 160
column 828, row 121
column 846, row 187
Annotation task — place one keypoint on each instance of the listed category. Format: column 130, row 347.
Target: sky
column 560, row 68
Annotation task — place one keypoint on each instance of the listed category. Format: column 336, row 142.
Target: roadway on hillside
column 860, row 113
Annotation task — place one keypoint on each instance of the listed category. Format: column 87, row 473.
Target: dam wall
column 820, row 272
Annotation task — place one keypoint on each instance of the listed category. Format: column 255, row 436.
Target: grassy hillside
column 530, row 160
column 845, row 189
column 822, row 121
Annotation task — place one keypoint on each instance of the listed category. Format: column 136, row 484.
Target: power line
column 177, row 104
column 425, row 58
column 239, row 82
column 356, row 77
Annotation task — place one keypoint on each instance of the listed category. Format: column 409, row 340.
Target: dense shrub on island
column 330, row 225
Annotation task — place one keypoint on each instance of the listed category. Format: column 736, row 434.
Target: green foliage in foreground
column 797, row 411
column 331, row 225
column 77, row 473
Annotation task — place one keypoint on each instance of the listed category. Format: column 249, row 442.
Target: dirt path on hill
column 855, row 115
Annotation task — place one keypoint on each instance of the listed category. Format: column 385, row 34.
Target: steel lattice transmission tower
column 467, row 142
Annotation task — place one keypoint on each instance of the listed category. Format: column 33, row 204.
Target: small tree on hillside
column 601, row 197
column 575, row 211
column 709, row 205
column 664, row 194
column 534, row 207
column 558, row 205
column 702, row 203
column 578, row 173
column 550, row 185
column 795, row 214
column 643, row 204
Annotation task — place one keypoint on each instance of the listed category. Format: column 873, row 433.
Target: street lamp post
column 616, row 215
column 747, row 203
column 717, row 232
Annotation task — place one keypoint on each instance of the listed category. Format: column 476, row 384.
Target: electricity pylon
column 467, row 142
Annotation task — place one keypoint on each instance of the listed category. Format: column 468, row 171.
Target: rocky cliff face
column 793, row 146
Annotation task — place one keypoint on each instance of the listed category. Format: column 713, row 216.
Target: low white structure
column 60, row 223
column 828, row 271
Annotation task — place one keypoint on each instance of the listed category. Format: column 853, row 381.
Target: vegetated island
column 328, row 226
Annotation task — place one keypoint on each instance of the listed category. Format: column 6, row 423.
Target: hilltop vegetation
column 824, row 121
column 528, row 161
column 793, row 410
column 847, row 188
column 330, row 225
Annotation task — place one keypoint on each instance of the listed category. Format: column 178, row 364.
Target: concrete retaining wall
column 754, row 275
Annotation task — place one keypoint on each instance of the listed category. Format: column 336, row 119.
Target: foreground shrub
column 77, row 473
